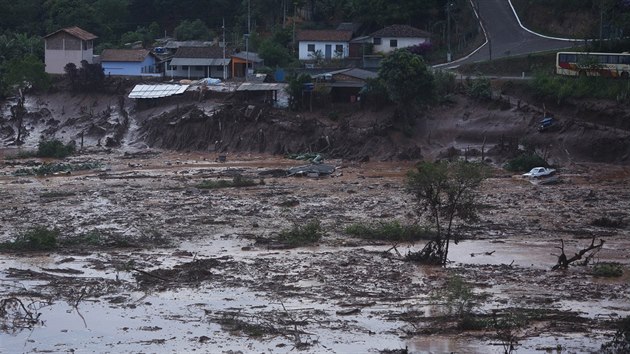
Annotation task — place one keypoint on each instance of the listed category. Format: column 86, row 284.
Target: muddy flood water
column 147, row 261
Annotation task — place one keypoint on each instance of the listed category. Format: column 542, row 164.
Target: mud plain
column 196, row 272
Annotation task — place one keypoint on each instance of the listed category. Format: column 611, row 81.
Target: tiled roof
column 124, row 55
column 75, row 32
column 200, row 52
column 401, row 31
column 324, row 35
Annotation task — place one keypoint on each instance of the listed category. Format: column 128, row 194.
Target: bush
column 389, row 231
column 303, row 235
column 479, row 88
column 54, row 148
column 608, row 270
column 525, row 162
column 38, row 238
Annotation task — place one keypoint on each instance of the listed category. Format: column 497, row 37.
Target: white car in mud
column 537, row 172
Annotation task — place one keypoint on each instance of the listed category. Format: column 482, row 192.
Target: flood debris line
column 312, row 170
column 17, row 314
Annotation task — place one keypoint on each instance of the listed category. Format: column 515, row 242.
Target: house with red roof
column 68, row 45
column 394, row 37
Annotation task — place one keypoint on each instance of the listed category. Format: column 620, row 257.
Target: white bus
column 593, row 64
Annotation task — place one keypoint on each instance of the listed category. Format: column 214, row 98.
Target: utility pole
column 284, row 13
column 448, row 32
column 294, row 17
column 249, row 24
column 224, row 45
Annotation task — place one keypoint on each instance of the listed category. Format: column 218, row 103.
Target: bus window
column 567, row 58
column 613, row 59
column 624, row 59
column 602, row 59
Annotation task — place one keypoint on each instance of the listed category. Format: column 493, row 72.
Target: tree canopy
column 444, row 191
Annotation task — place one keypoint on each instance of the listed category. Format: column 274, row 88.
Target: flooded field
column 154, row 263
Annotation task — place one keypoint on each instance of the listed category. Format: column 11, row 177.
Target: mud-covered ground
column 147, row 261
column 150, row 262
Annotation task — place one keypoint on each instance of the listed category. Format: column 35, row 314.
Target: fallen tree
column 564, row 261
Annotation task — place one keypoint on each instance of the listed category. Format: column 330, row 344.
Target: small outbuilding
column 68, row 45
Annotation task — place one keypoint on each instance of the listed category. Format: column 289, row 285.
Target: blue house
column 129, row 62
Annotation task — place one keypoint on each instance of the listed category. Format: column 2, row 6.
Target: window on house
column 311, row 48
column 393, row 43
column 339, row 48
column 173, row 67
column 377, row 41
column 184, row 67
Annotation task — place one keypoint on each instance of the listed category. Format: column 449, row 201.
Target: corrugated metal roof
column 200, row 61
column 250, row 56
column 156, row 91
column 255, row 86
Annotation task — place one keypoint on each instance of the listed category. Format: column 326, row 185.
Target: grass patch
column 38, row 238
column 389, row 231
column 608, row 270
column 237, row 181
column 302, row 235
column 562, row 87
column 53, row 168
column 525, row 162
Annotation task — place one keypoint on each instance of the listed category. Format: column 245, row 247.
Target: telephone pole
column 224, row 45
column 249, row 26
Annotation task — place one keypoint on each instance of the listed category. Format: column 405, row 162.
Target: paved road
column 505, row 35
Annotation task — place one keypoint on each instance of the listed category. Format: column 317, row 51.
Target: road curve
column 505, row 35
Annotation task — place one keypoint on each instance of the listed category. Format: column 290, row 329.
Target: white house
column 68, row 45
column 328, row 44
column 395, row 37
column 199, row 62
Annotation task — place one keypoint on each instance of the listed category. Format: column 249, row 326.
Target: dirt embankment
column 585, row 130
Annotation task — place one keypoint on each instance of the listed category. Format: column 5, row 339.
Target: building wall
column 62, row 49
column 384, row 47
column 145, row 68
column 304, row 53
column 198, row 72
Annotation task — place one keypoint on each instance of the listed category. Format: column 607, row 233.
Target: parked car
column 546, row 124
column 539, row 172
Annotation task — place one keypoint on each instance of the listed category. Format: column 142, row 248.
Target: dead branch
column 564, row 261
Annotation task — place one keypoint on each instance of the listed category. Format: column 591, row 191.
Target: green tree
column 67, row 13
column 28, row 71
column 192, row 30
column 296, row 90
column 274, row 54
column 407, row 81
column 444, row 191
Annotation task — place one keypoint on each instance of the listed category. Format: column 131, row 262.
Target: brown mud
column 150, row 262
